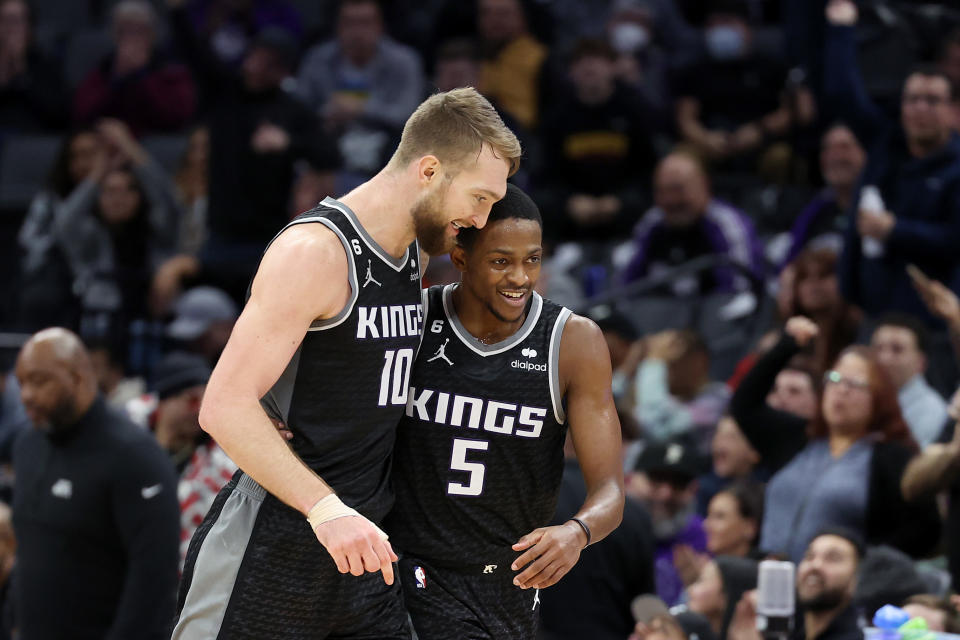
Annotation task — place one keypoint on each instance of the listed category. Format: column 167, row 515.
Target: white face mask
column 725, row 43
column 629, row 37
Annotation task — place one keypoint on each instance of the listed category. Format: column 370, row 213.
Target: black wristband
column 586, row 529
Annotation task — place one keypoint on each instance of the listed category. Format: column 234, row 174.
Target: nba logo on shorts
column 421, row 577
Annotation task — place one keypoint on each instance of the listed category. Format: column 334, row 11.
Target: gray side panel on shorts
column 218, row 563
column 277, row 401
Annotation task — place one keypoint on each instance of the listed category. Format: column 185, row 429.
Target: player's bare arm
column 585, row 377
column 284, row 301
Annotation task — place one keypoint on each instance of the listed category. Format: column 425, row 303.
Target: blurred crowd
column 758, row 201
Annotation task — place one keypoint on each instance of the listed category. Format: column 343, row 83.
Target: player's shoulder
column 581, row 342
column 315, row 248
column 580, row 329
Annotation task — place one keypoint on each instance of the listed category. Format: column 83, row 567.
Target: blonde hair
column 454, row 125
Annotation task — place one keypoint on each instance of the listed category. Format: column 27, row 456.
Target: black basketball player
column 500, row 374
column 325, row 344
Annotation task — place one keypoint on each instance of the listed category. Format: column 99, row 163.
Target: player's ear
column 458, row 257
column 428, row 170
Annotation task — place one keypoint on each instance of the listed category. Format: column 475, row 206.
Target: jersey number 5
column 458, row 462
column 395, row 377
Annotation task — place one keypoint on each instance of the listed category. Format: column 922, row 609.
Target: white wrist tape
column 331, row 508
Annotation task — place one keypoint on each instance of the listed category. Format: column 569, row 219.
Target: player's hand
column 357, row 545
column 550, row 553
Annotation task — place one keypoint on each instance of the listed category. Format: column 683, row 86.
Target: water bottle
column 887, row 621
column 871, row 202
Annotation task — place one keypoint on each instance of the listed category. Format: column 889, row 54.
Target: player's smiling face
column 458, row 201
column 502, row 267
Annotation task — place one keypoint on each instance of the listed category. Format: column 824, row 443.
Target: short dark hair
column 910, row 323
column 515, row 204
column 591, row 48
column 851, row 536
column 931, row 71
column 749, row 498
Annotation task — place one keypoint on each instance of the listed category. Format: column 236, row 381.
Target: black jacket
column 96, row 517
column 778, row 436
column 593, row 600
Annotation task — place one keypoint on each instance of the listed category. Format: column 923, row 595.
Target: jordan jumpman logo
column 441, row 353
column 370, row 277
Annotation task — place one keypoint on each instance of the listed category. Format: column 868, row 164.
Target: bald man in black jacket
column 95, row 507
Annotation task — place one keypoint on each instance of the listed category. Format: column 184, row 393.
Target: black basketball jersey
column 479, row 454
column 346, row 386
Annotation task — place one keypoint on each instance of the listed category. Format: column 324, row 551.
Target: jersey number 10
column 395, row 378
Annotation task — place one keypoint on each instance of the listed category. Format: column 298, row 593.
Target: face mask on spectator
column 629, row 37
column 725, row 43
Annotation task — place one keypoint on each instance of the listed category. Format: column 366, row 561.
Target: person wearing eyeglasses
column 912, row 163
column 840, row 468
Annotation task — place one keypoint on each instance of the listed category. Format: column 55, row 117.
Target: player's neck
column 383, row 205
column 478, row 319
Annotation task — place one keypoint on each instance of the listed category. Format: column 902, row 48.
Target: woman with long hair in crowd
column 813, row 291
column 841, row 468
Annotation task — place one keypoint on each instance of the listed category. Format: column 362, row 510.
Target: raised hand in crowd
column 842, row 13
column 940, row 300
column 743, row 626
column 801, row 329
column 120, row 143
column 689, row 563
column 666, row 345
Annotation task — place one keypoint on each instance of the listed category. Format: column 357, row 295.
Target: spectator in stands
column 822, row 223
column 179, row 382
column 900, row 344
column 734, row 461
column 204, row 319
column 230, row 26
column 935, row 471
column 810, row 288
column 665, row 482
column 258, row 132
column 593, row 599
column 192, row 188
column 949, row 63
column 686, row 223
column 363, row 85
column 596, row 152
column 117, row 227
column 46, row 295
column 796, row 389
column 32, row 92
column 13, row 418
column 513, row 58
column 674, row 394
column 8, row 559
column 735, row 102
column 96, row 524
column 914, row 167
column 134, row 83
column 109, row 356
column 733, row 521
column 826, row 581
column 842, row 468
column 938, row 613
column 718, row 589
column 650, row 37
